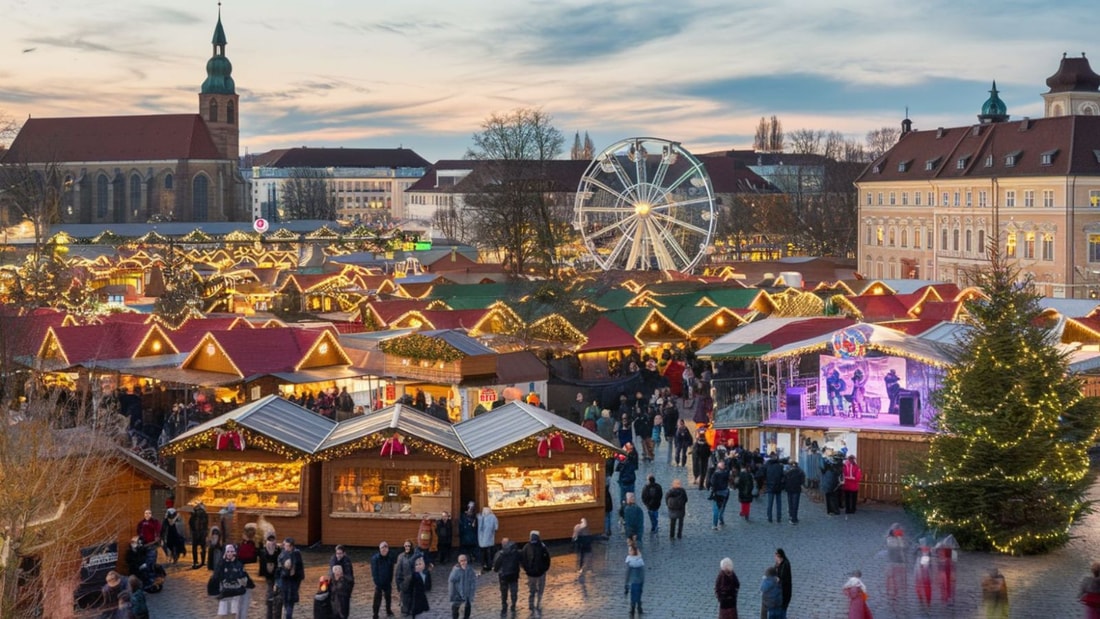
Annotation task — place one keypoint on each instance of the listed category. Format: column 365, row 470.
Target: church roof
column 308, row 157
column 113, row 139
column 1074, row 74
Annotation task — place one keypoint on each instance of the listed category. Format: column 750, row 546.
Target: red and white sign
column 487, row 396
column 260, row 225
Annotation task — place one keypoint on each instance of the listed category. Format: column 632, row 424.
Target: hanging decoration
column 394, row 445
column 547, row 445
column 228, row 440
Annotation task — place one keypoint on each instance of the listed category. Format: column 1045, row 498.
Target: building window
column 916, row 237
column 955, row 240
column 868, row 198
column 1029, row 198
column 1094, row 198
column 892, row 238
column 1010, row 245
column 905, row 237
column 916, row 198
column 905, row 198
column 969, row 238
column 1048, row 198
column 893, row 199
column 945, row 201
column 135, row 196
column 200, row 199
column 167, row 181
column 931, row 199
column 1094, row 248
column 213, row 117
column 989, row 161
column 961, row 163
column 1029, row 246
column 956, row 200
column 230, row 113
column 983, row 199
column 870, row 234
column 981, row 241
column 102, row 196
column 1010, row 198
column 1048, row 247
column 943, row 239
column 969, row 198
column 1047, row 158
column 880, row 198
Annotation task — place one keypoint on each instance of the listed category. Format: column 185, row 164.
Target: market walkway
column 680, row 574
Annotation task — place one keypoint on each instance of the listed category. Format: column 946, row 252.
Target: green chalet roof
column 687, row 317
column 736, row 298
column 615, row 299
column 496, row 290
column 467, row 303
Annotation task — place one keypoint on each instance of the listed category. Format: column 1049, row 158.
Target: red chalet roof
column 606, row 335
column 940, row 310
column 113, row 138
column 389, row 311
column 876, row 308
column 267, row 351
column 117, row 340
column 23, row 335
column 189, row 334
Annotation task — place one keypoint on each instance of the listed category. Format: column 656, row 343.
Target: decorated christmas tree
column 1008, row 469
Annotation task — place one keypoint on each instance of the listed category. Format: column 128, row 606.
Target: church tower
column 1074, row 89
column 218, row 100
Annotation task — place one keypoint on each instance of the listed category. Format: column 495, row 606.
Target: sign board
column 487, row 396
column 95, row 562
column 260, row 225
column 391, row 392
column 422, row 245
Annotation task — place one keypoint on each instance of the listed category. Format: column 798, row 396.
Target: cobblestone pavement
column 680, row 574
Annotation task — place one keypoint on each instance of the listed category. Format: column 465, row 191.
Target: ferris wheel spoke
column 658, row 178
column 623, row 240
column 637, row 247
column 629, row 188
column 689, row 202
column 683, row 224
column 625, row 208
column 660, row 249
column 671, row 242
column 602, row 185
column 690, row 172
column 619, row 225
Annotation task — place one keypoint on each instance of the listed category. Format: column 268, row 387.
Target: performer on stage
column 859, row 389
column 834, row 389
column 893, row 390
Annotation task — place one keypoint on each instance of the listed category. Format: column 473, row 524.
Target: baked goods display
column 388, row 493
column 250, row 485
column 511, row 487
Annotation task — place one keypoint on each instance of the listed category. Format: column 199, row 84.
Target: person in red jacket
column 148, row 531
column 849, row 488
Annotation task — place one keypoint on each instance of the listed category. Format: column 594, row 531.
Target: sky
column 424, row 74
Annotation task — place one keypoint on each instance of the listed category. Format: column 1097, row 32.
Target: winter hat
column 534, row 536
column 171, row 512
column 230, row 548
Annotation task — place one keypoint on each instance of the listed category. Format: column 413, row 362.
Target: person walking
column 444, row 534
column 467, row 531
column 995, row 595
column 232, row 585
column 487, row 525
column 720, row 494
column 793, row 480
column 291, row 573
column 676, row 501
column 628, row 470
column 582, row 543
column 381, row 572
column 414, row 595
column 148, row 531
column 726, row 587
column 268, row 559
column 896, row 551
column 172, row 536
column 608, row 509
column 536, row 563
column 700, row 457
column 745, row 487
column 633, row 520
column 341, row 559
column 403, row 570
column 783, row 573
column 506, row 565
column 856, row 592
column 461, row 588
column 340, row 587
column 830, row 487
column 773, row 485
column 652, row 493
column 199, row 524
column 851, row 476
column 635, row 578
column 681, row 442
column 1089, row 592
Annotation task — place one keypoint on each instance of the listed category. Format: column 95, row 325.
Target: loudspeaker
column 908, row 408
column 795, row 397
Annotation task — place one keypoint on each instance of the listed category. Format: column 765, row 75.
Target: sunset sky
column 424, row 74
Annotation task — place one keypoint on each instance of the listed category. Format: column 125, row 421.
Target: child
column 635, row 577
column 658, row 429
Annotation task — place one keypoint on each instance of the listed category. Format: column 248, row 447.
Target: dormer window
column 961, row 163
column 1047, row 158
column 904, row 165
column 931, row 164
column 877, row 169
column 989, row 161
column 1012, row 158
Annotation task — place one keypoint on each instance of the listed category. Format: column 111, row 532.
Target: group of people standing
column 776, row 588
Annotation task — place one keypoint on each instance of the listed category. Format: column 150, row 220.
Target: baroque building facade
column 931, row 206
column 164, row 167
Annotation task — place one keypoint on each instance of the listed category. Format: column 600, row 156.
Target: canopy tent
column 764, row 336
column 875, row 338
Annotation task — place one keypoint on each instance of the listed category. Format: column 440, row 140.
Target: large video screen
column 859, row 381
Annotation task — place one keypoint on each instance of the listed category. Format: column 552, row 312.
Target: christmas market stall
column 864, row 389
column 256, row 460
column 536, row 470
column 386, row 472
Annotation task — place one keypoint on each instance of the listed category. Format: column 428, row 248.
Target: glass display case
column 376, row 492
column 512, row 487
column 264, row 486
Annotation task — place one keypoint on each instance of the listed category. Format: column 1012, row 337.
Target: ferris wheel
column 645, row 203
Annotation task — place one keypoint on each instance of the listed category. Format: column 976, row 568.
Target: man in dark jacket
column 676, row 500
column 773, row 485
column 792, row 483
column 536, row 562
column 291, row 573
column 720, row 494
column 506, row 563
column 444, row 533
column 700, row 457
column 340, row 557
column 633, row 520
column 381, row 571
column 199, row 523
column 651, row 498
column 627, row 469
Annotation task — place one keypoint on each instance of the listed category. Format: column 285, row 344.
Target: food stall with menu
column 384, row 473
column 536, row 470
column 259, row 459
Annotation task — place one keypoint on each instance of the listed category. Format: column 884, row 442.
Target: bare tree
column 307, row 194
column 806, row 141
column 769, row 135
column 512, row 208
column 881, row 140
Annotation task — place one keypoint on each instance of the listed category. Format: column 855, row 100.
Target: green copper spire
column 219, row 71
column 993, row 110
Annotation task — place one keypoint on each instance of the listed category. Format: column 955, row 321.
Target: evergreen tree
column 1008, row 469
column 182, row 290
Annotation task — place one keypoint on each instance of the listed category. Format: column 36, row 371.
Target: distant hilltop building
column 165, row 167
column 930, row 207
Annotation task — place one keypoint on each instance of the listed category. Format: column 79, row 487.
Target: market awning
column 318, row 375
column 199, row 378
column 418, row 430
column 871, row 338
column 518, row 426
column 763, row 336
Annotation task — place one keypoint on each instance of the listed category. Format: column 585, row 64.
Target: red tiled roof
column 940, row 310
column 388, row 311
column 189, row 334
column 606, row 335
column 113, row 138
column 24, row 334
column 87, row 343
column 728, row 175
column 876, row 308
column 267, row 351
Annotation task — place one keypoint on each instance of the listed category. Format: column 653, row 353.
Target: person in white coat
column 487, row 526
